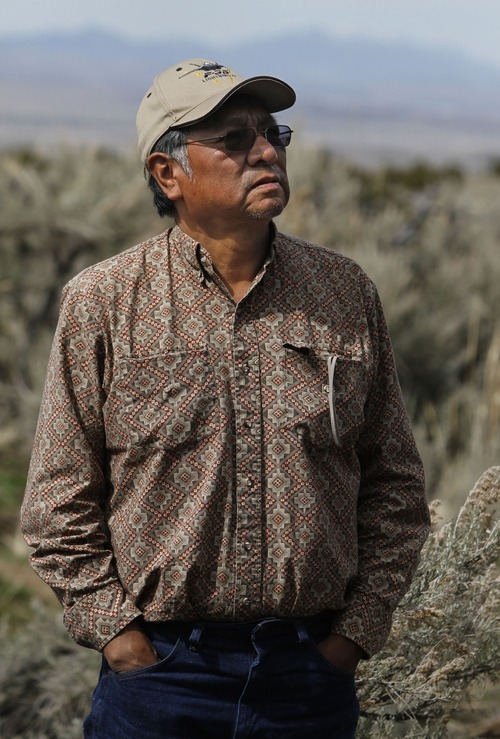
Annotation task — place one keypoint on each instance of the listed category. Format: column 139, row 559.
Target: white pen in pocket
column 331, row 363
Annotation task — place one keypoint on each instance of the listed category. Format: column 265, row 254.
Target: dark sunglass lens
column 240, row 140
column 278, row 135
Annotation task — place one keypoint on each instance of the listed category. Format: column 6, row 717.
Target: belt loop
column 195, row 637
column 301, row 632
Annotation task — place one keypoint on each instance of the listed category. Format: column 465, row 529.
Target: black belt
column 238, row 634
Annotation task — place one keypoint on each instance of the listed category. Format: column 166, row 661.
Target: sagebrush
column 429, row 238
column 443, row 643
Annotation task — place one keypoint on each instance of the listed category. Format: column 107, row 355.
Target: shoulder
column 117, row 273
column 301, row 257
column 92, row 296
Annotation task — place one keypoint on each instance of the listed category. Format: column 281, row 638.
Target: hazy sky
column 470, row 25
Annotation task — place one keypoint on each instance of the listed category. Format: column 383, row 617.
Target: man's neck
column 238, row 256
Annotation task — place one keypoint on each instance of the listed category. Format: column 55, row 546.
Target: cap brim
column 274, row 94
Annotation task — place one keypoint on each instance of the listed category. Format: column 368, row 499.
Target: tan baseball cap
column 190, row 91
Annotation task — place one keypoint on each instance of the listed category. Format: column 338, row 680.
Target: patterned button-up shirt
column 201, row 459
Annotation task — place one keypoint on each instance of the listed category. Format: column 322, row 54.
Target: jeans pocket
column 337, row 671
column 167, row 656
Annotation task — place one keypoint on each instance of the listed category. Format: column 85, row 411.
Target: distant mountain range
column 371, row 101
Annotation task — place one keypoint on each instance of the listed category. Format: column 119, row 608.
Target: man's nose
column 263, row 150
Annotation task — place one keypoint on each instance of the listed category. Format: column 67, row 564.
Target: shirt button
column 248, row 546
column 246, row 601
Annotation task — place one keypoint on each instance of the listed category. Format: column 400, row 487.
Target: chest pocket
column 325, row 395
column 347, row 393
column 168, row 400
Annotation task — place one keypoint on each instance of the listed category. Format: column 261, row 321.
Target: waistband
column 229, row 635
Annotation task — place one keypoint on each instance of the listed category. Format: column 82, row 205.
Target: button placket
column 248, row 464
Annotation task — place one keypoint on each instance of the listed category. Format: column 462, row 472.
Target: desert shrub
column 378, row 187
column 46, row 681
column 58, row 214
column 429, row 239
column 427, row 235
column 15, row 601
column 494, row 167
column 444, row 643
column 445, row 636
column 431, row 246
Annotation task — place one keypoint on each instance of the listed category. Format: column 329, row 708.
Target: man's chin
column 268, row 211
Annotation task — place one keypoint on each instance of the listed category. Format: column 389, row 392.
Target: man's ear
column 165, row 171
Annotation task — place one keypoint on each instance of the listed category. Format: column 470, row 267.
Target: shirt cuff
column 94, row 619
column 366, row 622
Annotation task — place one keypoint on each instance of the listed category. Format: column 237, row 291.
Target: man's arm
column 63, row 514
column 392, row 513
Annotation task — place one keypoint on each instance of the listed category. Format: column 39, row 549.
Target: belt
column 232, row 635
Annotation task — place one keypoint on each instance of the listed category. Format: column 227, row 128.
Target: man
column 225, row 492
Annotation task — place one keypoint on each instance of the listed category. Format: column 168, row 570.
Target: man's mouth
column 271, row 181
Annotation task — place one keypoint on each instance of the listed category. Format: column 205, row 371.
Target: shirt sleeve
column 393, row 515
column 63, row 513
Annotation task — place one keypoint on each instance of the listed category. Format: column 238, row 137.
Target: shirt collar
column 199, row 259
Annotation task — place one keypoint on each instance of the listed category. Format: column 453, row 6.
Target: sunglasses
column 243, row 139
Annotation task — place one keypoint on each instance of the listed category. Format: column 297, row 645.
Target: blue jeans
column 263, row 679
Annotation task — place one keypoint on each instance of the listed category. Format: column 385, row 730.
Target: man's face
column 231, row 187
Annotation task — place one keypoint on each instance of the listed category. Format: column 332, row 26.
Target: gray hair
column 173, row 144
